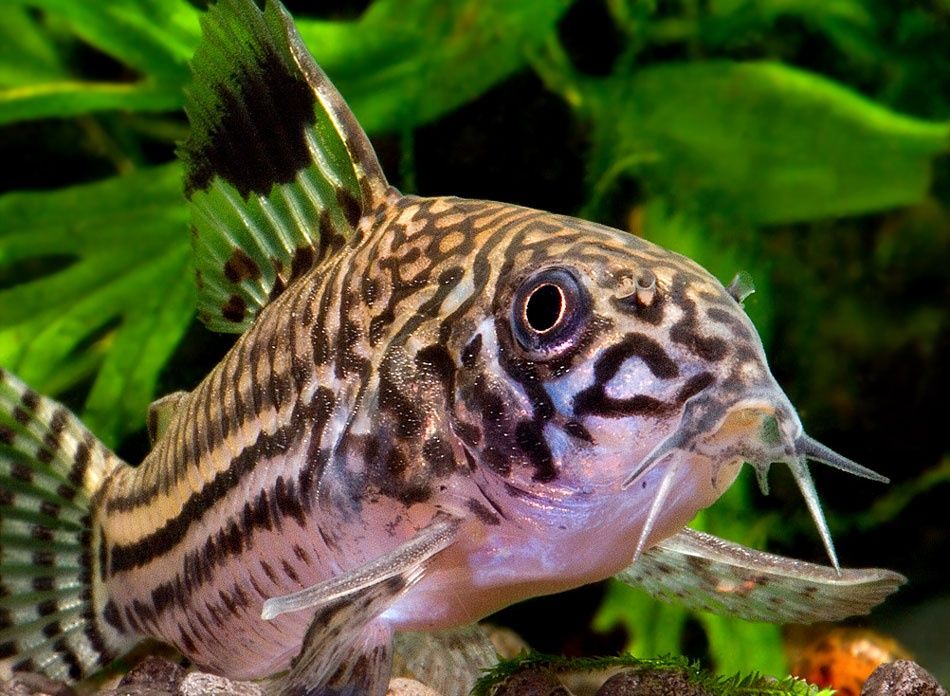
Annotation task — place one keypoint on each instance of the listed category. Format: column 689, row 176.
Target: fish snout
column 762, row 428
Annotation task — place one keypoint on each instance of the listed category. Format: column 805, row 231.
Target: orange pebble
column 842, row 658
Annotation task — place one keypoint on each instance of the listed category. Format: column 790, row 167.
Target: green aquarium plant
column 735, row 137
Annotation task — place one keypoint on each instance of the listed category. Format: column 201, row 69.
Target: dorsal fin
column 278, row 172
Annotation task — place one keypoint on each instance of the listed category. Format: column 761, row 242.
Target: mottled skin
column 388, row 384
column 437, row 407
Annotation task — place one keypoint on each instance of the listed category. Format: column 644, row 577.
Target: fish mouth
column 761, row 429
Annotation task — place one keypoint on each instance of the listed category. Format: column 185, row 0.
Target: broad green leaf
column 117, row 301
column 27, row 55
column 88, row 318
column 405, row 63
column 849, row 24
column 653, row 627
column 400, row 65
column 735, row 645
column 153, row 37
column 758, row 142
column 76, row 97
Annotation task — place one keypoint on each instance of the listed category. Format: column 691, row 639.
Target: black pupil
column 544, row 308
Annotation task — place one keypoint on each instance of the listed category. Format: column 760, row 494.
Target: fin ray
column 346, row 629
column 50, row 468
column 278, row 172
column 704, row 572
column 406, row 560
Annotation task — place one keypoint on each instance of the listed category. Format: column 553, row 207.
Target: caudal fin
column 50, row 468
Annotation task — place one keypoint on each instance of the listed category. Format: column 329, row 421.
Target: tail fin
column 50, row 468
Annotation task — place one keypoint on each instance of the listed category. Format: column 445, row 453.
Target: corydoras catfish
column 436, row 407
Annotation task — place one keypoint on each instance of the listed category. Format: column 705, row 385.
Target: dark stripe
column 723, row 316
column 112, row 616
column 230, row 540
column 482, row 513
column 47, row 607
column 240, row 267
column 196, row 445
column 144, row 612
column 55, row 429
column 269, row 572
column 405, row 411
column 151, row 425
column 20, row 416
column 301, row 554
column 634, row 345
column 530, row 438
column 24, row 665
column 104, row 654
column 30, row 399
column 471, row 351
column 289, row 571
column 21, row 472
column 44, row 558
column 593, row 401
column 577, row 430
column 173, row 531
column 186, row 640
column 686, row 331
column 43, row 583
column 352, row 211
column 162, row 597
column 438, row 455
column 64, row 650
column 694, row 385
column 132, row 620
column 50, row 509
column 77, row 472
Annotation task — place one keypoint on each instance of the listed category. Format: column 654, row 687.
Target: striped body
column 360, row 402
column 437, row 407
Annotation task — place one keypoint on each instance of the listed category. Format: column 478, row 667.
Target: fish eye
column 549, row 312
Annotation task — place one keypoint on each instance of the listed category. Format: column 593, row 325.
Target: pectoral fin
column 704, row 572
column 348, row 648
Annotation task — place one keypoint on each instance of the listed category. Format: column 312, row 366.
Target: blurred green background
column 802, row 141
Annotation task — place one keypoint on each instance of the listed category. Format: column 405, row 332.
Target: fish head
column 619, row 387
